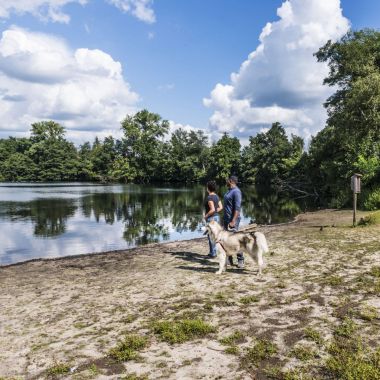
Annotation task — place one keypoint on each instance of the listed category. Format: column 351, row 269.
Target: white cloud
column 41, row 78
column 281, row 80
column 52, row 10
column 139, row 8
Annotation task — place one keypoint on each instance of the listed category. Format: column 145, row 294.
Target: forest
column 349, row 143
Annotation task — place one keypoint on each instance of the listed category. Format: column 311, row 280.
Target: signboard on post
column 356, row 183
column 355, row 187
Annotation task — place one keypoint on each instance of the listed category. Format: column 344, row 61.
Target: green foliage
column 224, row 158
column 303, row 353
column 313, row 335
column 188, row 155
column 182, row 331
column 232, row 339
column 143, row 145
column 372, row 201
column 58, row 369
column 270, row 157
column 128, row 348
column 371, row 219
column 246, row 300
column 351, row 140
column 263, row 349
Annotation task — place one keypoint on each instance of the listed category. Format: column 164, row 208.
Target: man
column 231, row 218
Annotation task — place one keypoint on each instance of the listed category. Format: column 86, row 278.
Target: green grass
column 368, row 313
column 334, row 281
column 128, row 348
column 181, row 331
column 346, row 329
column 314, row 335
column 249, row 299
column 350, row 358
column 232, row 350
column 58, row 369
column 375, row 271
column 232, row 339
column 303, row 353
column 263, row 349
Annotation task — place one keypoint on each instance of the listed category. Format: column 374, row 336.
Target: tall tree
column 54, row 157
column 224, row 158
column 143, row 145
column 270, row 156
column 351, row 140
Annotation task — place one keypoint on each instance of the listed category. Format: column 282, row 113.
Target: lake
column 61, row 219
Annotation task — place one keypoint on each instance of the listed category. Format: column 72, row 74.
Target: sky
column 215, row 65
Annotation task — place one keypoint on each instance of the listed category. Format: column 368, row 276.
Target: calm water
column 54, row 220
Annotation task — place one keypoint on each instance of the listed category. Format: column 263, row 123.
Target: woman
column 212, row 207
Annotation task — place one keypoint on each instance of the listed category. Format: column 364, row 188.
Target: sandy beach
column 65, row 318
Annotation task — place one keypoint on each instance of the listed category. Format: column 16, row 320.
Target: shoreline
column 263, row 226
column 69, row 313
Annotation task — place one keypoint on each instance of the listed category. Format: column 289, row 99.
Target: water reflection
column 88, row 218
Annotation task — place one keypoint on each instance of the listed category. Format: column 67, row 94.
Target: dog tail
column 261, row 241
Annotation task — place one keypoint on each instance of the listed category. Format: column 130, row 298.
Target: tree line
column 350, row 142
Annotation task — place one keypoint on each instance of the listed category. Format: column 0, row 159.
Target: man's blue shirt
column 232, row 203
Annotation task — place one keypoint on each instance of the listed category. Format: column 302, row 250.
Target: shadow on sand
column 208, row 265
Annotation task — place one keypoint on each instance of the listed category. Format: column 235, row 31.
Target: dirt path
column 64, row 316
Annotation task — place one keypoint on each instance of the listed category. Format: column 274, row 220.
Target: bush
column 372, row 200
column 371, row 219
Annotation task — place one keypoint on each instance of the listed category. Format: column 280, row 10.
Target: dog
column 230, row 243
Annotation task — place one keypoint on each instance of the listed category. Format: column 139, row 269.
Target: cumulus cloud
column 281, row 80
column 41, row 78
column 52, row 10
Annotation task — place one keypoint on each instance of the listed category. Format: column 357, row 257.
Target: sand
column 70, row 312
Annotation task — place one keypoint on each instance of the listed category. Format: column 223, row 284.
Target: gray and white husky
column 230, row 243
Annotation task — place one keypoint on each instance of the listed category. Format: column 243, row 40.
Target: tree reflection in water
column 148, row 213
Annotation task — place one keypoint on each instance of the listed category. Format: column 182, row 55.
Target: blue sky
column 87, row 64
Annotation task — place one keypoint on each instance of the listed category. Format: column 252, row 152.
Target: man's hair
column 233, row 178
column 211, row 185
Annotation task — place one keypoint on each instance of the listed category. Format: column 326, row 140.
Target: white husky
column 230, row 243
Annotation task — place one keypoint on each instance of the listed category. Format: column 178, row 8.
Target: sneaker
column 211, row 255
column 240, row 264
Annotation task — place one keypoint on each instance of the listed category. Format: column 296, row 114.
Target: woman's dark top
column 214, row 198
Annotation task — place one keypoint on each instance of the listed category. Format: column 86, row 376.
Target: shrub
column 372, row 201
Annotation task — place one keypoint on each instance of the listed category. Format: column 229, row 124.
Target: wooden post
column 356, row 188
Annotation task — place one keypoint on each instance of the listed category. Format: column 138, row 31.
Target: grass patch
column 263, row 349
column 349, row 358
column 232, row 350
column 303, row 353
column 346, row 329
column 58, row 369
column 368, row 313
column 128, row 348
column 313, row 335
column 375, row 272
column 182, row 331
column 234, row 338
column 334, row 281
column 247, row 300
